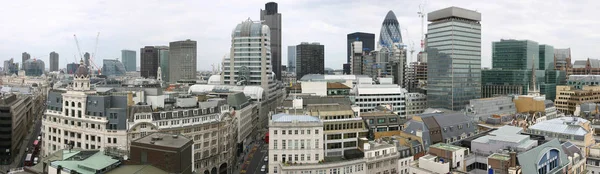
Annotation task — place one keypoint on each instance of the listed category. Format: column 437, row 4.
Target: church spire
column 533, row 89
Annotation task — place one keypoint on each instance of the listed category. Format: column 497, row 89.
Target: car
column 263, row 168
column 35, row 160
column 39, row 138
column 266, row 158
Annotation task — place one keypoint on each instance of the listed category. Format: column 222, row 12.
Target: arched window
column 72, row 104
column 75, row 84
column 79, row 104
column 66, row 103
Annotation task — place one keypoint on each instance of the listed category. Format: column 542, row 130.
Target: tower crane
column 91, row 61
column 421, row 13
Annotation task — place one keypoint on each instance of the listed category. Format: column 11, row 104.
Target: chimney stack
column 513, row 159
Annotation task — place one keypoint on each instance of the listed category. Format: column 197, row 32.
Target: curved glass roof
column 248, row 28
column 390, row 31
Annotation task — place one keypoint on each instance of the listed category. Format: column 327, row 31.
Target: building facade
column 341, row 127
column 368, row 40
column 10, row 67
column 569, row 97
column 34, row 67
column 272, row 18
column 149, row 62
column 416, row 103
column 79, row 117
column 24, row 57
column 454, row 61
column 113, row 67
column 481, row 109
column 163, row 56
column 182, row 60
column 291, row 65
column 250, row 65
column 546, row 57
column 16, row 114
column 586, row 67
column 310, row 59
column 562, row 60
column 129, row 59
column 367, row 95
column 54, row 61
column 169, row 152
column 294, row 139
column 515, row 54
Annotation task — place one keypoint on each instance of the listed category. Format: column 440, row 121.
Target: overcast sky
column 40, row 27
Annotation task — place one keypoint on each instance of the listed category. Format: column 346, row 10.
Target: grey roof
column 287, row 118
column 562, row 125
column 594, row 63
column 580, row 64
column 507, row 134
column 570, row 149
column 237, row 100
column 138, row 109
column 454, row 12
column 529, row 160
column 165, row 140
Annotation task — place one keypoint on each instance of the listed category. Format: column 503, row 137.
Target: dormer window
column 163, row 115
column 185, row 113
column 175, row 114
column 212, row 110
column 203, row 111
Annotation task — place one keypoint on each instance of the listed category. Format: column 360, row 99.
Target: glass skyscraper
column 129, row 59
column 390, row 31
column 163, row 56
column 112, row 67
column 454, row 58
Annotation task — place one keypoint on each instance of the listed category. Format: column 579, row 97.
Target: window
column 283, row 132
column 195, row 111
column 283, row 144
column 302, row 157
column 393, row 120
column 163, row 115
column 275, row 132
column 316, row 131
column 295, row 132
column 317, row 144
column 308, row 132
column 274, row 144
column 317, row 156
column 381, row 120
column 143, row 125
column 275, row 157
column 371, row 121
column 185, row 113
column 301, row 144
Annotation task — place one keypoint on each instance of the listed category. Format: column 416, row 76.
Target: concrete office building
column 169, row 152
column 367, row 95
column 24, row 57
column 578, row 131
column 291, row 66
column 54, row 61
column 479, row 110
column 182, row 60
column 113, row 67
column 86, row 60
column 72, row 67
column 84, row 118
column 149, row 62
column 16, row 114
column 310, row 59
column 256, row 69
column 341, row 128
column 454, row 61
column 368, row 40
column 129, row 59
column 294, row 139
column 272, row 18
column 416, row 103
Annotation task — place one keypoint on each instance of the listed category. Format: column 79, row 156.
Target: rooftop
column 287, row 118
column 336, row 85
column 166, row 140
column 84, row 162
column 563, row 125
column 498, row 156
column 447, row 147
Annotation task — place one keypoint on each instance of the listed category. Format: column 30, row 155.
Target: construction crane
column 421, row 13
column 94, row 54
column 79, row 50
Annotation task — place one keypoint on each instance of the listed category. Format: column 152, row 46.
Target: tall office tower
column 454, row 58
column 356, row 58
column 182, row 60
column 33, row 67
column 249, row 59
column 72, row 67
column 390, row 32
column 291, row 66
column 562, row 60
column 149, row 62
column 546, row 57
column 10, row 67
column 310, row 59
column 368, row 40
column 272, row 18
column 513, row 62
column 129, row 59
column 25, row 56
column 163, row 57
column 53, row 61
column 86, row 60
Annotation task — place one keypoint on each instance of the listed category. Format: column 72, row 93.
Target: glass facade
column 546, row 57
column 163, row 56
column 129, row 59
column 515, row 54
column 454, row 62
column 390, row 31
column 113, row 68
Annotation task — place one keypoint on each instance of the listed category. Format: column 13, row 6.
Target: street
column 257, row 160
column 34, row 131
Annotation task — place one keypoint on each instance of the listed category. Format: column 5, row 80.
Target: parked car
column 35, row 160
column 263, row 168
column 266, row 158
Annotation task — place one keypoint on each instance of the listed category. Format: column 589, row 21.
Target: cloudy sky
column 39, row 27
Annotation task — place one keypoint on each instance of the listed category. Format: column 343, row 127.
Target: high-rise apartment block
column 129, row 59
column 182, row 60
column 310, row 59
column 272, row 18
column 54, row 61
column 149, row 62
column 368, row 40
column 454, row 57
column 291, row 66
column 25, row 56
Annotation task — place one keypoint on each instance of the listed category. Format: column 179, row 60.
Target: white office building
column 368, row 95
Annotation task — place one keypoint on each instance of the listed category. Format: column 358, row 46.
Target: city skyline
column 556, row 23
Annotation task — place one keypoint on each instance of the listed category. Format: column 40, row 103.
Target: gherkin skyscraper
column 390, row 31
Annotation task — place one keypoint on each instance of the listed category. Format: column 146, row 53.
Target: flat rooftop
column 162, row 139
column 502, row 157
column 447, row 147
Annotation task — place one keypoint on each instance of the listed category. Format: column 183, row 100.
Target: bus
column 36, row 146
column 29, row 160
column 267, row 138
